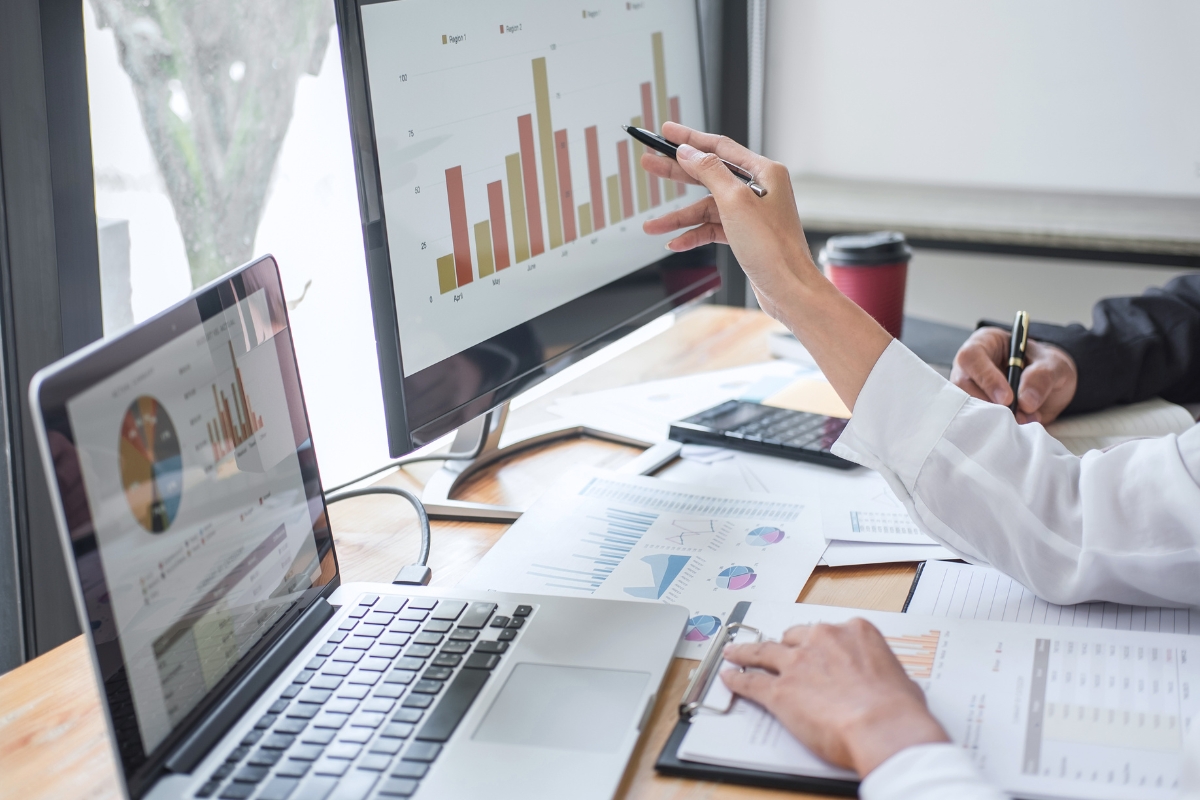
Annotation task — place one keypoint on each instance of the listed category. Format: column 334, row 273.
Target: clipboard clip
column 697, row 690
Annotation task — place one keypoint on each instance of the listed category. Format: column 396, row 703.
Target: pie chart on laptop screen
column 150, row 464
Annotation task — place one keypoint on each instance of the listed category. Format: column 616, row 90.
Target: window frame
column 49, row 295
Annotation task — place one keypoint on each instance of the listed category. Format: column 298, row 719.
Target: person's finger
column 707, row 233
column 698, row 213
column 980, row 367
column 767, row 655
column 665, row 167
column 1038, row 380
column 709, row 171
column 756, row 686
column 971, row 387
column 797, row 635
column 723, row 146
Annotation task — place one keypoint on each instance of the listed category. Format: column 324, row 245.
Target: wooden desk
column 53, row 742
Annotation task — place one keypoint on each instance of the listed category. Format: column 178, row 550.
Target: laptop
column 233, row 661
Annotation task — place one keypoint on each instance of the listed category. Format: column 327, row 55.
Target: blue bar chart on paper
column 600, row 534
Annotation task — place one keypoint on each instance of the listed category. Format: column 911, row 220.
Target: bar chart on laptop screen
column 509, row 186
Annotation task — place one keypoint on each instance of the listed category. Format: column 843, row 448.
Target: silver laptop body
column 232, row 661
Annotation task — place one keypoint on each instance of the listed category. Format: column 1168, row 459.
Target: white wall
column 962, row 288
column 1076, row 95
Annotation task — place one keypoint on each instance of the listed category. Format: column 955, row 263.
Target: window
column 219, row 133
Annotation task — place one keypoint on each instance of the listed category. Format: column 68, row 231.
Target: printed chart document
column 1155, row 417
column 963, row 591
column 1044, row 712
column 645, row 411
column 601, row 534
column 860, row 516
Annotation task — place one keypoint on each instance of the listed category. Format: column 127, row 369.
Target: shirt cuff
column 901, row 413
column 928, row 772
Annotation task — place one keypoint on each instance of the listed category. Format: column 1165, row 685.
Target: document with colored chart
column 1043, row 711
column 597, row 533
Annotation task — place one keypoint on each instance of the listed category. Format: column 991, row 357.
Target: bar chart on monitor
column 509, row 184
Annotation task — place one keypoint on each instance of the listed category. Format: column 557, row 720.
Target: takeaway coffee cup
column 871, row 269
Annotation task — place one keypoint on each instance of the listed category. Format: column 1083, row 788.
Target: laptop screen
column 190, row 490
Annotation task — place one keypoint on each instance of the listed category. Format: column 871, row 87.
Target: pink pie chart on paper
column 736, row 578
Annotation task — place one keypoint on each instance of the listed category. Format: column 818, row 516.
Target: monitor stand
column 477, row 445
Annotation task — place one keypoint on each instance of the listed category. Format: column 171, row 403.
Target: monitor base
column 479, row 442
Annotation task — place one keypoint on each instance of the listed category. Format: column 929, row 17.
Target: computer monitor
column 502, row 203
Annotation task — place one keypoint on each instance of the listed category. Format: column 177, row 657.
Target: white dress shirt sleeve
column 1121, row 525
column 928, row 772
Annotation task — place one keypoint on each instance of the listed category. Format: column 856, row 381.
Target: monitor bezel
column 406, row 433
column 49, row 392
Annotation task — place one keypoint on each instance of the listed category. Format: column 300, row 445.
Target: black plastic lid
column 865, row 249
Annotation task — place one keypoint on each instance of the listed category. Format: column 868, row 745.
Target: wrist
column 876, row 737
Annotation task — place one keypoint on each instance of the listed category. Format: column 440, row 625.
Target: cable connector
column 413, row 575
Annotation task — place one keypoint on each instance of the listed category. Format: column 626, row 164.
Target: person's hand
column 1047, row 383
column 768, row 241
column 839, row 690
column 764, row 232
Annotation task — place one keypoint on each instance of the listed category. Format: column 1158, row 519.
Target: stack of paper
column 1042, row 711
column 963, row 591
column 1120, row 424
column 862, row 520
column 602, row 534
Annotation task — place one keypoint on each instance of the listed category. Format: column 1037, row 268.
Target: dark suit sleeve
column 1137, row 347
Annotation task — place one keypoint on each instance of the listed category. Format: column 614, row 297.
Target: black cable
column 400, row 462
column 422, row 519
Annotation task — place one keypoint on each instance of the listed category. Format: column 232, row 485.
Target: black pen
column 661, row 145
column 1016, row 353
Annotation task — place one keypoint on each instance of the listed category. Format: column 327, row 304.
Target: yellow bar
column 446, row 279
column 660, row 93
column 614, row 199
column 541, row 96
column 643, row 187
column 585, row 219
column 483, row 248
column 516, row 202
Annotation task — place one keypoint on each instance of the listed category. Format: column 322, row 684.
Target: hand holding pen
column 671, row 150
column 764, row 232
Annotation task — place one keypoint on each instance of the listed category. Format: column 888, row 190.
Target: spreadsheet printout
column 965, row 591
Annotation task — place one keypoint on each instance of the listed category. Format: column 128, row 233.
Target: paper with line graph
column 1042, row 711
column 601, row 534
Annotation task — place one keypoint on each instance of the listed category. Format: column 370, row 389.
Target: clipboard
column 669, row 763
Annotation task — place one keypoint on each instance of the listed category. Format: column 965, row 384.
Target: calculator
column 755, row 428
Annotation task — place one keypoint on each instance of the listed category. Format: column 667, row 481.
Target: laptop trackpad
column 567, row 708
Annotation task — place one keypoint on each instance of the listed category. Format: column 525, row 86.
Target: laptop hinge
column 247, row 692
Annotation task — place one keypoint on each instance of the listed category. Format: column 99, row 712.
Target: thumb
column 1037, row 381
column 708, row 169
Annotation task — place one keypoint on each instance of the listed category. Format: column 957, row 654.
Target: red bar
column 458, row 226
column 499, row 229
column 626, row 178
column 680, row 188
column 648, row 108
column 567, row 198
column 648, row 123
column 594, row 179
column 533, row 202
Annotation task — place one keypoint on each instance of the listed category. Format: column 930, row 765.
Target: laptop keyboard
column 372, row 710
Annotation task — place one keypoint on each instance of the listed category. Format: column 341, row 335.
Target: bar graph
column 565, row 220
column 510, row 113
column 234, row 424
column 602, row 550
column 915, row 653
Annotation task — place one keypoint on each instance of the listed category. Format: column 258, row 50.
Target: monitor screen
column 507, row 197
column 185, row 468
